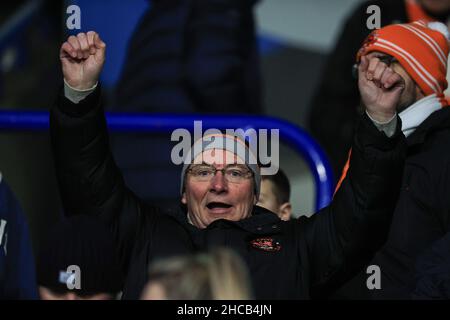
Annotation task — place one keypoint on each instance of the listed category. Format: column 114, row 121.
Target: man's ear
column 183, row 198
column 285, row 211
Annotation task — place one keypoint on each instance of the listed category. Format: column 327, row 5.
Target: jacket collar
column 260, row 221
column 416, row 113
column 436, row 121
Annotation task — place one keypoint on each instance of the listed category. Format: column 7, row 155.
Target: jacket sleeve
column 343, row 236
column 89, row 181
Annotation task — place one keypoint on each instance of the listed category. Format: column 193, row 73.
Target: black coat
column 433, row 271
column 422, row 213
column 316, row 254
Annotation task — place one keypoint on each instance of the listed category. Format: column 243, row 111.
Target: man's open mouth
column 218, row 205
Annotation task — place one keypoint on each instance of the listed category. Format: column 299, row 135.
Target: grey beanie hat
column 233, row 144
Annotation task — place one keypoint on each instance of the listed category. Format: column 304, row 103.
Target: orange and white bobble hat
column 421, row 48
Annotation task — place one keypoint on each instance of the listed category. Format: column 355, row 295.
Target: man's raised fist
column 82, row 57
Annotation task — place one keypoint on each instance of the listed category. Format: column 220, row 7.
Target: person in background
column 418, row 52
column 17, row 268
column 275, row 195
column 185, row 56
column 335, row 106
column 217, row 275
column 85, row 243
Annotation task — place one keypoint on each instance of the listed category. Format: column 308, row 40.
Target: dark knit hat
column 85, row 242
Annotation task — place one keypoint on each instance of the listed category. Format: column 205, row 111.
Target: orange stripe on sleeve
column 344, row 172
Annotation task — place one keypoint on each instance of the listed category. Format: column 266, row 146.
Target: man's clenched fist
column 82, row 59
column 380, row 88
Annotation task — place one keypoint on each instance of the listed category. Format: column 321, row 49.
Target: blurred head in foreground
column 217, row 275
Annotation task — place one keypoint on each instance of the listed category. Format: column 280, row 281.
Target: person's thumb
column 100, row 48
column 99, row 44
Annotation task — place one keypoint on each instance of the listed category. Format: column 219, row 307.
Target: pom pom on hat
column 442, row 28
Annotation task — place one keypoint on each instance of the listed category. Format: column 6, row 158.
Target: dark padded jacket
column 421, row 216
column 315, row 254
column 433, row 272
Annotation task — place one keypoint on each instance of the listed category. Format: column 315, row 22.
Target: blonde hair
column 217, row 275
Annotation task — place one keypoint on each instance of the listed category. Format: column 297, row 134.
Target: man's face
column 218, row 198
column 411, row 93
column 268, row 200
column 437, row 7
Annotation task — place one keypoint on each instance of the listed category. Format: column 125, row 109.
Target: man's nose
column 219, row 183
